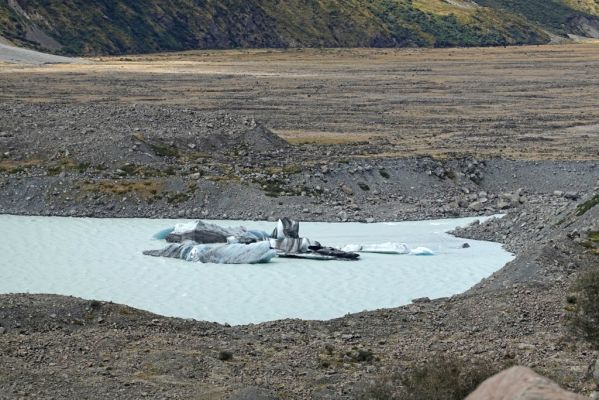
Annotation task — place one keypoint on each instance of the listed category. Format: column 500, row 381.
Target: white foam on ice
column 102, row 259
column 183, row 227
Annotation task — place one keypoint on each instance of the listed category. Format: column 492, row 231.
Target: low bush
column 447, row 378
column 586, row 206
column 583, row 306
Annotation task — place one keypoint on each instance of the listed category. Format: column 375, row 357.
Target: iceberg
column 204, row 242
column 422, row 251
column 286, row 228
column 286, row 241
column 388, row 248
column 164, row 233
column 250, row 236
column 236, row 253
column 381, row 248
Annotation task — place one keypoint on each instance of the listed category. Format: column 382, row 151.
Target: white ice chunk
column 280, row 230
column 185, row 227
column 381, row 248
column 422, row 251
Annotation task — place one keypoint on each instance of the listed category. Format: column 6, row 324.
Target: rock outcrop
column 520, row 383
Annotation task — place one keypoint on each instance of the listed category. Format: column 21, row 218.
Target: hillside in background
column 563, row 17
column 94, row 27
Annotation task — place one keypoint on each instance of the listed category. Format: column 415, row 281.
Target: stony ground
column 530, row 102
column 165, row 161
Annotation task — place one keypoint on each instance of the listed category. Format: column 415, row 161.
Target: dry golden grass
column 145, row 189
column 11, row 166
column 324, row 138
column 530, row 102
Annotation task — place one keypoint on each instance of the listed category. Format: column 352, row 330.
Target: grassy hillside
column 558, row 16
column 92, row 27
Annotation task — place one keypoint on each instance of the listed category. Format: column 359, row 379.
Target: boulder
column 520, row 383
column 502, row 204
column 476, row 206
column 347, row 189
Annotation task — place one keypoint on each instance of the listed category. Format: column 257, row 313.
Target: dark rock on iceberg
column 204, row 233
column 332, row 252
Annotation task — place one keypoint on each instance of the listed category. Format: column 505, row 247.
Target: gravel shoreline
column 163, row 162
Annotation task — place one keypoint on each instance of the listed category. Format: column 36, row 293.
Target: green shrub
column 363, row 186
column 586, row 206
column 447, row 378
column 164, row 150
column 583, row 307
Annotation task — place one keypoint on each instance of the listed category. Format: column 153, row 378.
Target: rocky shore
column 149, row 161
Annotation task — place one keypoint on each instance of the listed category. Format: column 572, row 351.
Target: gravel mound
column 135, row 134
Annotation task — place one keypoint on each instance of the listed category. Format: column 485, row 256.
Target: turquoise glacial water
column 102, row 259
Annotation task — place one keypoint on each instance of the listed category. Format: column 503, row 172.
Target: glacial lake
column 102, row 259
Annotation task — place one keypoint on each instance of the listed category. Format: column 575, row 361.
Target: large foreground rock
column 520, row 383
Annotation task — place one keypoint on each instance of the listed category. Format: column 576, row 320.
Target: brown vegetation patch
column 13, row 166
column 146, row 189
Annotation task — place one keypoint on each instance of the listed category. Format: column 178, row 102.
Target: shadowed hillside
column 78, row 27
column 82, row 27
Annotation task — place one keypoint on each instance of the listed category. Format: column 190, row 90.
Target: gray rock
column 502, row 204
column 520, row 383
column 476, row 206
column 347, row 189
column 515, row 200
column 343, row 216
column 596, row 372
column 252, row 393
column 421, row 300
column 572, row 195
column 2, row 330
